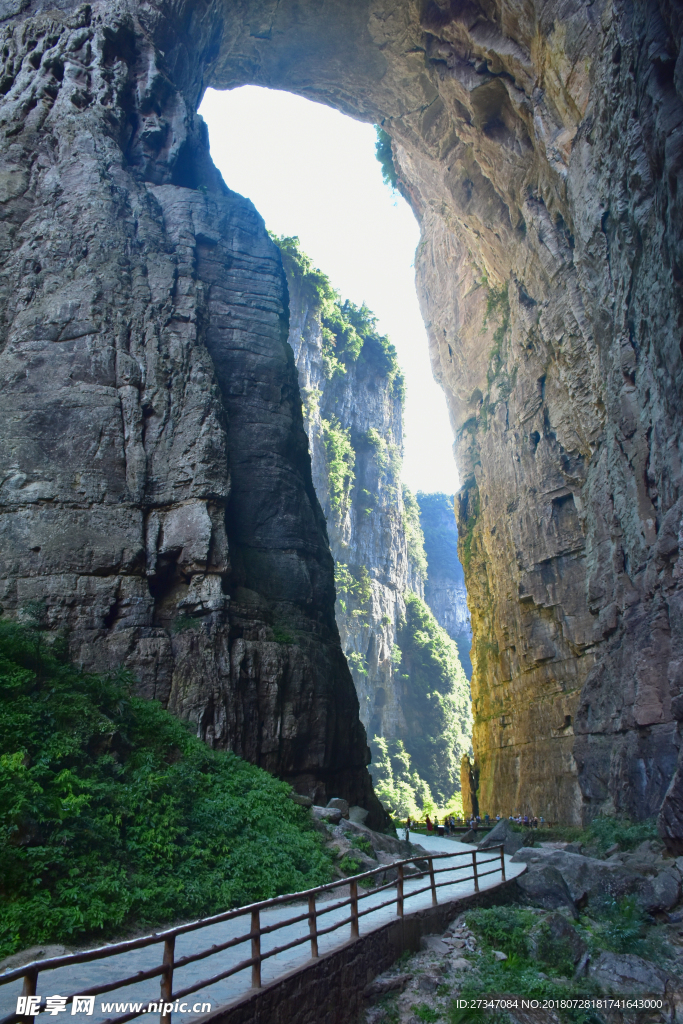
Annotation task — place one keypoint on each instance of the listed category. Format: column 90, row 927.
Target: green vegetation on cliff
column 340, row 458
column 386, row 157
column 113, row 816
column 415, row 540
column 349, row 332
column 437, row 698
column 396, row 783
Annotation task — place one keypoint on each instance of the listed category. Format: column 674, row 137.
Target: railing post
column 474, row 870
column 313, row 925
column 29, row 989
column 167, row 979
column 354, row 909
column 256, row 949
column 399, row 890
column 502, row 862
column 432, row 881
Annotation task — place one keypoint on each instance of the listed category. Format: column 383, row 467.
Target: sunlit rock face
column 540, row 147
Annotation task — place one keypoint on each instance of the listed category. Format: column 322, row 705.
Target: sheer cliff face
column 540, row 144
column 156, row 490
column 366, row 524
column 414, row 696
column 445, row 590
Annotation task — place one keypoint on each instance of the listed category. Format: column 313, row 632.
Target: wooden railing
column 422, row 867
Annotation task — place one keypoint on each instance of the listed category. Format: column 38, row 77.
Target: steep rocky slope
column 540, row 145
column 415, row 698
column 445, row 590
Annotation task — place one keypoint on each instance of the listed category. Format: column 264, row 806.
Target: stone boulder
column 546, row 888
column 301, row 799
column 471, row 836
column 358, row 814
column 503, row 833
column 627, row 974
column 382, row 843
column 327, row 814
column 592, row 879
column 435, row 944
column 341, row 804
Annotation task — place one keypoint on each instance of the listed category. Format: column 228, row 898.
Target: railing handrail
column 115, row 948
column 29, row 972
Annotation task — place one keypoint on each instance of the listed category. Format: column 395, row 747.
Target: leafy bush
column 503, row 928
column 349, row 865
column 622, row 926
column 604, row 832
column 426, row 1013
column 341, row 459
column 385, row 157
column 398, row 786
column 113, row 816
column 362, row 844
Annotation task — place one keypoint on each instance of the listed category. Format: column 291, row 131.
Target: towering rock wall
column 352, row 392
column 445, row 590
column 156, row 490
column 540, row 145
column 353, row 418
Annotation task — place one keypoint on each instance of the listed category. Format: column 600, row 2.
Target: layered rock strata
column 157, row 497
column 541, row 147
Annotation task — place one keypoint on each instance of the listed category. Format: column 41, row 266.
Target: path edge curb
column 329, row 990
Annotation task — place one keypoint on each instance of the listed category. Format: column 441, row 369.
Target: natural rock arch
column 540, row 146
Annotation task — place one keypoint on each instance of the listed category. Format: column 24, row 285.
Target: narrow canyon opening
column 377, row 425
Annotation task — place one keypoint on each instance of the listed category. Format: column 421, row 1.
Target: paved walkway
column 82, row 976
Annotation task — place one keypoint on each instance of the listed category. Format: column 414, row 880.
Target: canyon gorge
column 412, row 691
column 157, row 494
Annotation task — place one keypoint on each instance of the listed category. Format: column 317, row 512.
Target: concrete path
column 82, row 976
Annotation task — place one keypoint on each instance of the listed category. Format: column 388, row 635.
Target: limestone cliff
column 540, row 145
column 445, row 590
column 156, row 489
column 352, row 393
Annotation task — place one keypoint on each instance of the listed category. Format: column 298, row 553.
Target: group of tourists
column 450, row 823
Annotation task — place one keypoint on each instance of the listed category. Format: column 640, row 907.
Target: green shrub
column 113, row 816
column 281, row 636
column 622, row 926
column 605, row 831
column 413, row 531
column 341, row 459
column 349, row 332
column 385, row 157
column 503, row 928
column 349, row 865
column 424, row 1012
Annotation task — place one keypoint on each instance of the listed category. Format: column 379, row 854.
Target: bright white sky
column 311, row 171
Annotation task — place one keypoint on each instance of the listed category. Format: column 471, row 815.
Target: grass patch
column 503, row 928
column 113, row 816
